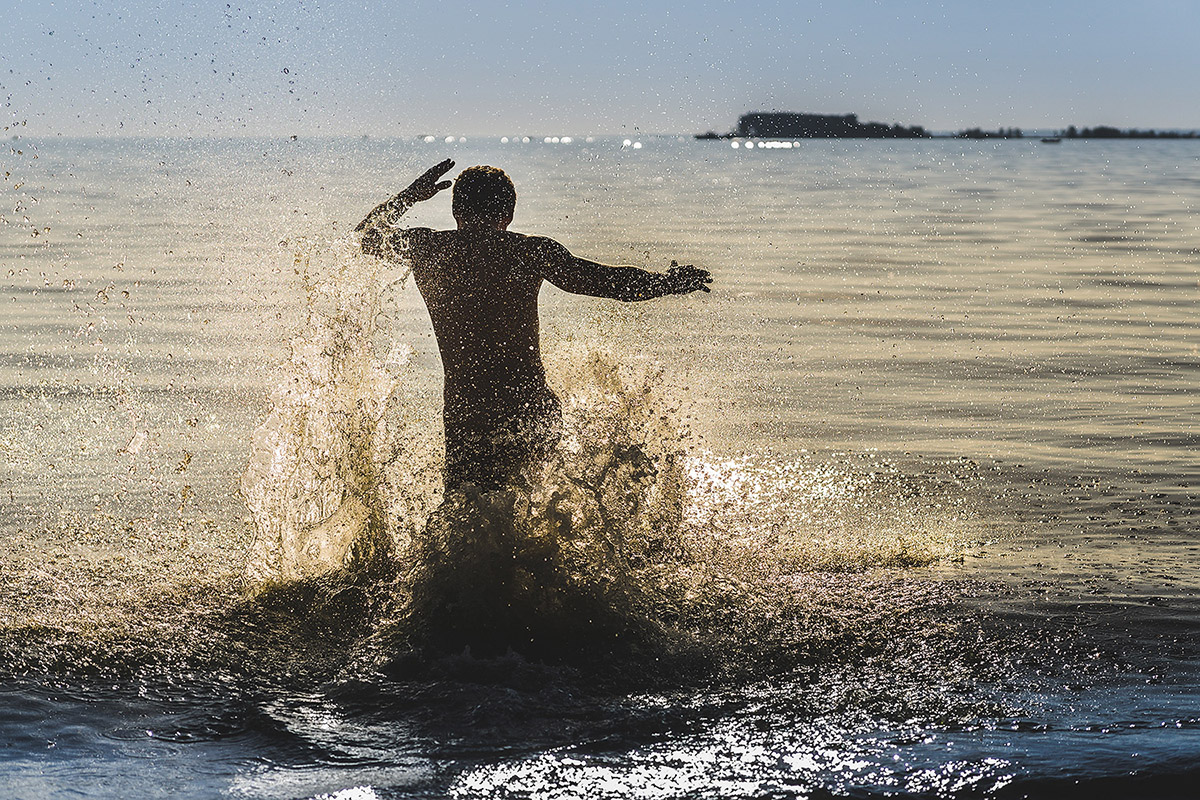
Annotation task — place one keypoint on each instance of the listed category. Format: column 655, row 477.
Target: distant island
column 792, row 125
column 1105, row 132
column 789, row 125
column 1071, row 132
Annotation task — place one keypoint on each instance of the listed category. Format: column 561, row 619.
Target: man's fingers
column 436, row 171
column 444, row 185
column 689, row 278
column 690, row 270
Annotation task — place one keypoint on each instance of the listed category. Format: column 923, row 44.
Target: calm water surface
column 948, row 389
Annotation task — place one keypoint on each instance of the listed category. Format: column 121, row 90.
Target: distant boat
column 1052, row 140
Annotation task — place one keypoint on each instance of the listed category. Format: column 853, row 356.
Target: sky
column 299, row 67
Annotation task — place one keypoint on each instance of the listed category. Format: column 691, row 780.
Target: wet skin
column 480, row 283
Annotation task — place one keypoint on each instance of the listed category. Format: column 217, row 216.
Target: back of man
column 481, row 288
column 480, row 284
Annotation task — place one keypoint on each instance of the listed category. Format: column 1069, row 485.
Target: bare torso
column 481, row 288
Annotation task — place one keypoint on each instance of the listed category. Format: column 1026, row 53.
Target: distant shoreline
column 36, row 139
column 794, row 125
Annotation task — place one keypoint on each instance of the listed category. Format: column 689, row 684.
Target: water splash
column 318, row 460
column 630, row 543
column 555, row 564
column 627, row 539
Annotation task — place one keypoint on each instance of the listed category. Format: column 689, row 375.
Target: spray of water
column 629, row 539
column 630, row 544
column 314, row 484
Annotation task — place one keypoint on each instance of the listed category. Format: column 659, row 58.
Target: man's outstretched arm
column 580, row 276
column 375, row 226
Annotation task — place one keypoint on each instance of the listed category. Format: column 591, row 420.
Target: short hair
column 485, row 192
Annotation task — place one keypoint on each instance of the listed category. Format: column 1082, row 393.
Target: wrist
column 401, row 202
column 670, row 283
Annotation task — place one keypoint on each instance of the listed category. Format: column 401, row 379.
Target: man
column 480, row 284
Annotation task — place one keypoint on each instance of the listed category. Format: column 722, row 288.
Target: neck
column 482, row 225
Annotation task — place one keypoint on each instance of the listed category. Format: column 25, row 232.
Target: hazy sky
column 175, row 67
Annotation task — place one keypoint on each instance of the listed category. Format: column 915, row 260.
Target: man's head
column 484, row 196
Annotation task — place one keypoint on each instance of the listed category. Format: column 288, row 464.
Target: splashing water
column 555, row 563
column 629, row 542
column 313, row 484
column 623, row 540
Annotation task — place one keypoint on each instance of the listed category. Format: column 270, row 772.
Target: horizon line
column 540, row 138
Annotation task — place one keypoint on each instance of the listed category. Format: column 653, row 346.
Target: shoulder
column 539, row 256
column 543, row 249
column 414, row 236
column 420, row 244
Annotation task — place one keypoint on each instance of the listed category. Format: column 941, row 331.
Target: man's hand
column 426, row 186
column 423, row 188
column 686, row 279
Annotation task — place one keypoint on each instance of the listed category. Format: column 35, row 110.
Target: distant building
column 788, row 125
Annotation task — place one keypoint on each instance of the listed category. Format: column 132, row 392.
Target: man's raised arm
column 580, row 276
column 385, row 215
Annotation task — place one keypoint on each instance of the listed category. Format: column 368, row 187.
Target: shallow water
column 937, row 513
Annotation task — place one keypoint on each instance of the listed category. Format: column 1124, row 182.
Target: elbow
column 372, row 243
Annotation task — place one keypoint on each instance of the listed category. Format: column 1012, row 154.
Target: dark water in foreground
column 907, row 507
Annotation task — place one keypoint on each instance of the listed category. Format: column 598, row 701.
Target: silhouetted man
column 480, row 284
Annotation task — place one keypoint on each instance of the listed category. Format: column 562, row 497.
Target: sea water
column 907, row 506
